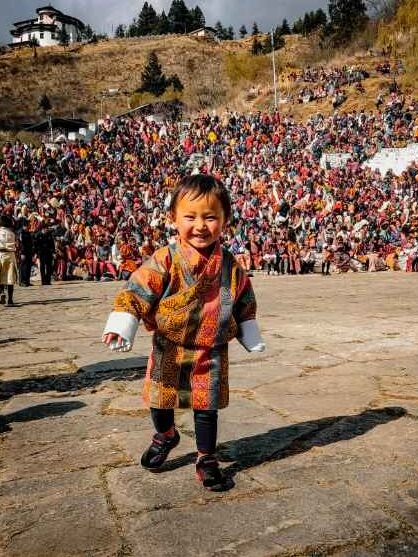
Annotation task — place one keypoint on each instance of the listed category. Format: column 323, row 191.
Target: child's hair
column 199, row 185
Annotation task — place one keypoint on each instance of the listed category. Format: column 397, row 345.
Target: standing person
column 196, row 298
column 26, row 253
column 45, row 249
column 8, row 264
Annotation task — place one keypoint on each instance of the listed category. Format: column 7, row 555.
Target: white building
column 207, row 33
column 46, row 28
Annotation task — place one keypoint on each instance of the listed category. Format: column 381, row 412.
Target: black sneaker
column 211, row 476
column 156, row 454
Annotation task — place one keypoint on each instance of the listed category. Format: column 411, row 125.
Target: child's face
column 199, row 221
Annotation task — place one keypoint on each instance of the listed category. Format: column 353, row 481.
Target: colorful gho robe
column 194, row 306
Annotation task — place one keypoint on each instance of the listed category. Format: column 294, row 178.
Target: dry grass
column 214, row 76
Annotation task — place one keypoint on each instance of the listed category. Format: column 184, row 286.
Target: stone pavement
column 321, row 436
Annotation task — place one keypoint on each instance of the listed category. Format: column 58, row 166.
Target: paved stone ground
column 321, row 436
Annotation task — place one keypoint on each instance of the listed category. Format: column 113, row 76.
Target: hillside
column 215, row 76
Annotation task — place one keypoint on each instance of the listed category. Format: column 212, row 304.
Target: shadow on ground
column 283, row 442
column 127, row 369
column 51, row 301
column 39, row 412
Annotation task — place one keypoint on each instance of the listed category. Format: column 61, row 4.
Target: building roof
column 68, row 124
column 51, row 9
column 48, row 9
column 26, row 23
column 34, row 27
column 210, row 29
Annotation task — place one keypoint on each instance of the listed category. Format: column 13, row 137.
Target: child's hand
column 115, row 342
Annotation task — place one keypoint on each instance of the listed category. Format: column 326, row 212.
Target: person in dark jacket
column 45, row 249
column 26, row 253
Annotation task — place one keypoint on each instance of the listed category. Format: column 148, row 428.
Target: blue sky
column 102, row 14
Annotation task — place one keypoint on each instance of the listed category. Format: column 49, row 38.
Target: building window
column 41, row 35
column 52, row 35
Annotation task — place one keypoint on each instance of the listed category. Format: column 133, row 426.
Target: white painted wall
column 47, row 40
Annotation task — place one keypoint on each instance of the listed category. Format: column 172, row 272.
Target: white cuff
column 249, row 336
column 123, row 324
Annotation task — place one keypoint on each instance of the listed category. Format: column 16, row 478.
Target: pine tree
column 220, row 31
column 63, row 36
column 243, row 31
column 153, row 79
column 346, row 17
column 278, row 40
column 320, row 18
column 163, row 25
column 285, row 28
column 197, row 18
column 44, row 103
column 175, row 82
column 255, row 30
column 307, row 23
column 132, row 30
column 34, row 43
column 179, row 17
column 230, row 33
column 298, row 26
column 120, row 31
column 87, row 33
column 256, row 47
column 147, row 20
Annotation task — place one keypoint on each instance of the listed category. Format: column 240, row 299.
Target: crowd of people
column 97, row 210
column 321, row 82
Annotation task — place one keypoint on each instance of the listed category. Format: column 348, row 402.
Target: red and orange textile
column 194, row 305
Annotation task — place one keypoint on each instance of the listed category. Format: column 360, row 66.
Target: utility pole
column 274, row 70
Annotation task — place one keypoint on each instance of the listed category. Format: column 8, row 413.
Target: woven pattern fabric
column 194, row 306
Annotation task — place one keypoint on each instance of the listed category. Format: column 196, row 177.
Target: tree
column 278, row 41
column 320, row 18
column 63, row 37
column 179, row 17
column 197, row 19
column 163, row 25
column 298, row 26
column 221, row 32
column 147, row 20
column 242, row 31
column 285, row 28
column 34, row 43
column 256, row 47
column 87, row 33
column 255, row 30
column 44, row 103
column 230, row 33
column 153, row 79
column 346, row 18
column 132, row 30
column 175, row 83
column 120, row 31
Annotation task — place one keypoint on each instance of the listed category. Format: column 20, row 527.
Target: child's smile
column 199, row 221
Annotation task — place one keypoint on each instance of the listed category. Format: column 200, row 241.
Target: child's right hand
column 116, row 343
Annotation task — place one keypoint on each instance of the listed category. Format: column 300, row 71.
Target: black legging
column 205, row 423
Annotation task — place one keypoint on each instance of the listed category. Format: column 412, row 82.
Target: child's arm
column 135, row 302
column 245, row 315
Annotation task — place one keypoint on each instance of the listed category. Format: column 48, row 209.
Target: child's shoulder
column 160, row 260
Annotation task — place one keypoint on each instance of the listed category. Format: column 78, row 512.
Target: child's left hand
column 115, row 342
